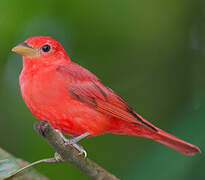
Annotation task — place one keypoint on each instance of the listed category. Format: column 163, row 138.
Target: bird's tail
column 157, row 135
column 176, row 143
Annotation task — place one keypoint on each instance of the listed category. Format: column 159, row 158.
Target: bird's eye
column 46, row 48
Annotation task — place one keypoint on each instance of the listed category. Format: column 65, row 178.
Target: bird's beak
column 25, row 50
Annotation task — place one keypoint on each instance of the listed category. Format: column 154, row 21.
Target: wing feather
column 87, row 88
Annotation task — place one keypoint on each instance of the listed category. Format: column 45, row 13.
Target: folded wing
column 87, row 88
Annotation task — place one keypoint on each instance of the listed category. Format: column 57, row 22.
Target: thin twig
column 48, row 160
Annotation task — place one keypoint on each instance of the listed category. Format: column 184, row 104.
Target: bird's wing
column 87, row 88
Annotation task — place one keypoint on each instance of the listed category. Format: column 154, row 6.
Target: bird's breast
column 43, row 91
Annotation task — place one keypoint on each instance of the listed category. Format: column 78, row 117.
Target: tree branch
column 69, row 154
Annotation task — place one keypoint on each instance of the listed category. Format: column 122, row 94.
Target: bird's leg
column 73, row 141
column 61, row 135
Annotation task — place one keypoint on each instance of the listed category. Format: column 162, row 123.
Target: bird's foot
column 81, row 150
column 73, row 141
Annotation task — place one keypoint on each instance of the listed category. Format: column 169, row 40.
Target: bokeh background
column 150, row 52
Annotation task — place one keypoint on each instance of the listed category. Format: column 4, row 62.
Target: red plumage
column 75, row 101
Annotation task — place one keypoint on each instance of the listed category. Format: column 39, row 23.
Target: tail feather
column 176, row 143
column 172, row 141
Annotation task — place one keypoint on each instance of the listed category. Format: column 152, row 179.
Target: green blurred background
column 150, row 52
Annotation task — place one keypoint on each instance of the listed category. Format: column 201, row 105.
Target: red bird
column 76, row 102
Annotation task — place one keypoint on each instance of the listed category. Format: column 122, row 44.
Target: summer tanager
column 75, row 101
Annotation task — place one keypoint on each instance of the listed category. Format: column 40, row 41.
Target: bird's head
column 41, row 48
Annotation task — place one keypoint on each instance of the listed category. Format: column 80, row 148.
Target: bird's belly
column 72, row 117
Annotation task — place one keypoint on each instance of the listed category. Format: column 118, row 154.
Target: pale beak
column 25, row 50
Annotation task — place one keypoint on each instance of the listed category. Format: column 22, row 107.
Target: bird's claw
column 81, row 150
column 77, row 146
